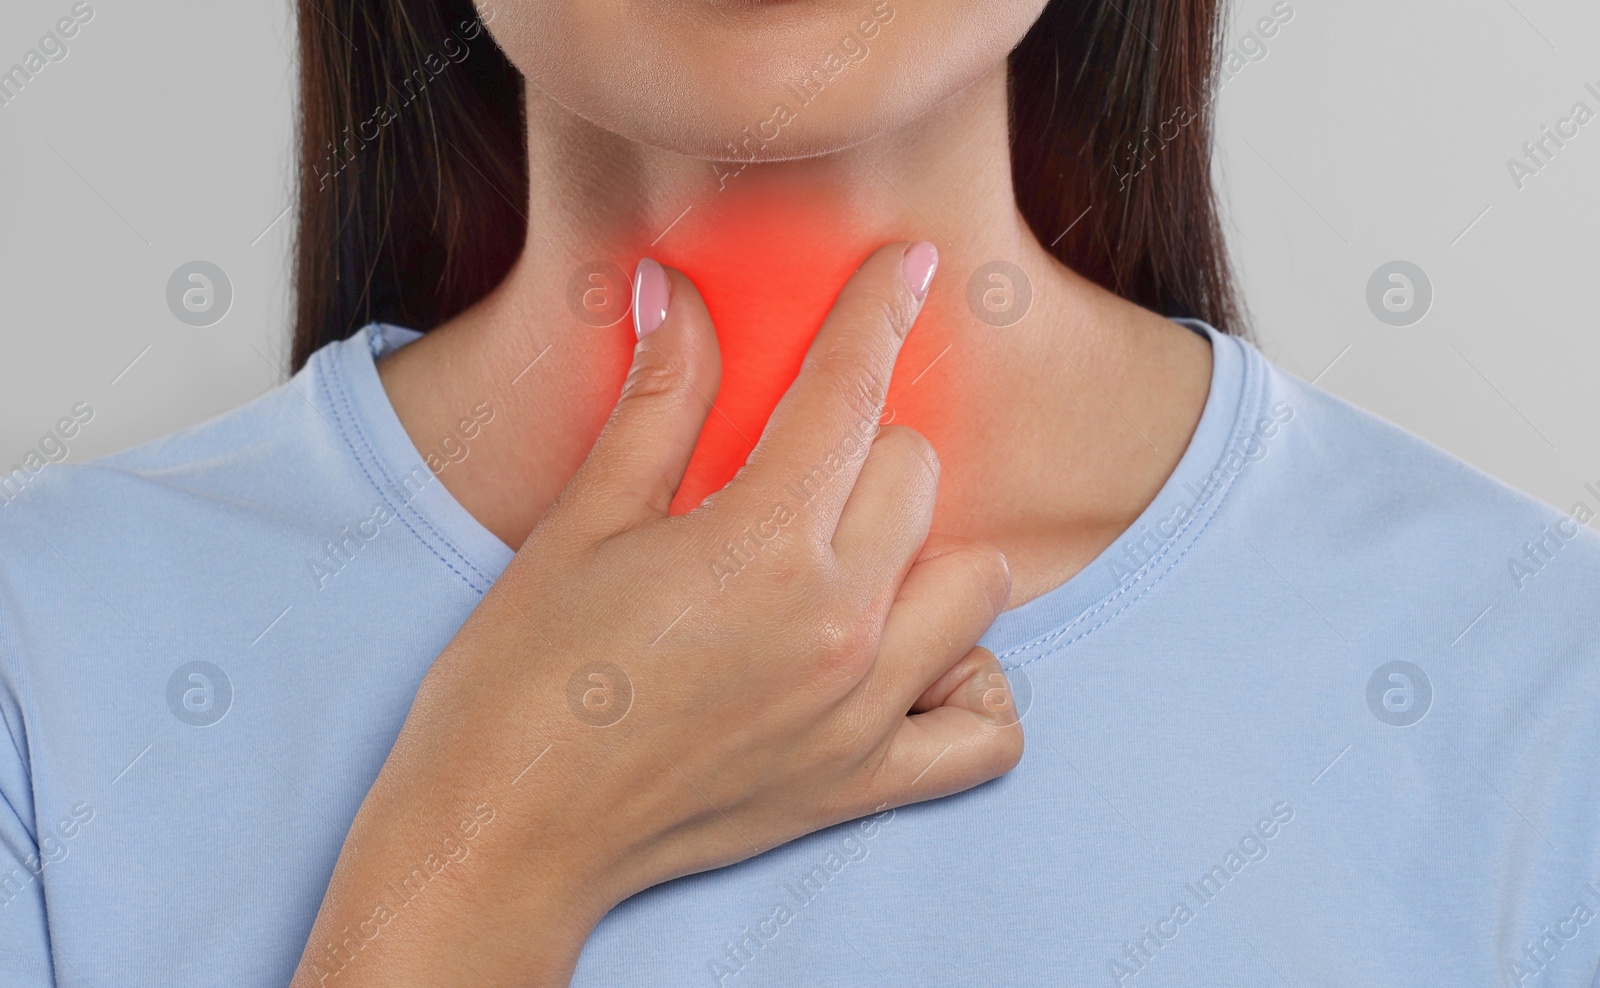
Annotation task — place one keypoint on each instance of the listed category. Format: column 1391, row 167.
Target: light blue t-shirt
column 1328, row 714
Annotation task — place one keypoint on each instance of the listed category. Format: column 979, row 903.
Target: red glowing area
column 769, row 267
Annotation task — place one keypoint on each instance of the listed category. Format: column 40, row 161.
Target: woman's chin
column 743, row 132
column 795, row 79
column 767, row 125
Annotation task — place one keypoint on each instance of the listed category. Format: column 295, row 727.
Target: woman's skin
column 653, row 723
column 779, row 704
column 1054, row 433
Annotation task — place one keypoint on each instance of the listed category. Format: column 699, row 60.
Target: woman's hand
column 642, row 697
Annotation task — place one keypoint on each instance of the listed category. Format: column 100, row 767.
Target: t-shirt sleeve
column 24, row 935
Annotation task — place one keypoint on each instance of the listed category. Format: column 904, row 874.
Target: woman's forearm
column 422, row 896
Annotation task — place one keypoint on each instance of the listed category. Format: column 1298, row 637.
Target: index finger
column 821, row 430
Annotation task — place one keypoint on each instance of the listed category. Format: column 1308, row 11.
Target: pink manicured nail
column 651, row 291
column 917, row 265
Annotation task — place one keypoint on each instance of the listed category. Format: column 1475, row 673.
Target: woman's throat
column 769, row 271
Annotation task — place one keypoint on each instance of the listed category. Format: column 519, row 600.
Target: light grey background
column 1368, row 132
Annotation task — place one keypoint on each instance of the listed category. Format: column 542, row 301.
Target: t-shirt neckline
column 1092, row 598
column 348, row 371
column 1170, row 525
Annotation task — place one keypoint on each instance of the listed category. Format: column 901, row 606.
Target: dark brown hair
column 410, row 217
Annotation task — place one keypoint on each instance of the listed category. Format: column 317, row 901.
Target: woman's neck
column 1053, row 432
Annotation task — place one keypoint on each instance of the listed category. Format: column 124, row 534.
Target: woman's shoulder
column 255, row 454
column 286, row 498
column 280, row 469
column 286, row 451
column 1361, row 455
column 1406, row 514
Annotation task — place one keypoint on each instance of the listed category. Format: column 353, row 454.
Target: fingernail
column 651, row 291
column 917, row 265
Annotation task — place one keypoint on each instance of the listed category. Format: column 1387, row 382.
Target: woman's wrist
column 430, row 897
column 489, row 845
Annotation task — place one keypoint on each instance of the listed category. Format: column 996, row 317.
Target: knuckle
column 904, row 441
column 652, row 376
column 1004, row 750
column 860, row 391
column 989, row 572
column 889, row 308
column 846, row 645
column 851, row 365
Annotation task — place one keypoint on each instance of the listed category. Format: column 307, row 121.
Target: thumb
column 639, row 459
